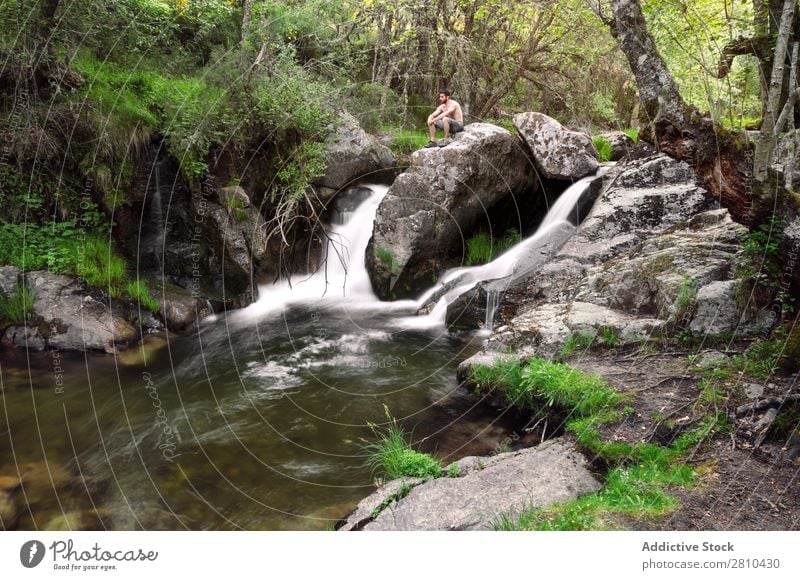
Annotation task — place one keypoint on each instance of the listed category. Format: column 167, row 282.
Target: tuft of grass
column 604, row 148
column 393, row 455
column 402, row 492
column 483, row 248
column 386, row 257
column 577, row 341
column 609, row 336
column 96, row 261
column 138, row 291
column 15, row 308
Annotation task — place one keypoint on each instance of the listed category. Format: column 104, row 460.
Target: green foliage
column 62, row 248
column 482, row 248
column 687, row 296
column 609, row 336
column 633, row 134
column 406, row 141
column 453, row 470
column 604, row 148
column 576, row 342
column 138, row 291
column 15, row 308
column 393, row 455
column 401, row 492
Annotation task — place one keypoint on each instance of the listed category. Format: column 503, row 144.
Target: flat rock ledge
column 486, row 489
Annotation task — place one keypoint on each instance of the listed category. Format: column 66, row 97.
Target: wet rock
column 236, row 233
column 621, row 144
column 9, row 511
column 9, row 280
column 501, row 485
column 73, row 318
column 143, row 352
column 423, row 222
column 351, row 154
column 711, row 360
column 179, row 310
column 559, row 153
column 24, row 337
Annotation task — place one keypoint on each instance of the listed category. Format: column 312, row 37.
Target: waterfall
column 343, row 279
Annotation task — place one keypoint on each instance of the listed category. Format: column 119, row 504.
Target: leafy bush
column 604, row 148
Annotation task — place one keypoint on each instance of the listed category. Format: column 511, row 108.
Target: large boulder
column 486, row 489
column 559, row 153
column 654, row 256
column 351, row 154
column 430, row 210
column 72, row 319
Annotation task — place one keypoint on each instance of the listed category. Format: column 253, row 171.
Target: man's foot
column 445, row 142
column 430, row 144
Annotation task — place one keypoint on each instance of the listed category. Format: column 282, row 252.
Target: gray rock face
column 643, row 197
column 487, row 488
column 559, row 153
column 74, row 320
column 621, row 144
column 9, row 279
column 236, row 231
column 24, row 337
column 351, row 154
column 636, row 268
column 422, row 223
column 717, row 310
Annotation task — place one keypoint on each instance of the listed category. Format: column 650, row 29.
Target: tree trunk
column 769, row 125
column 247, row 13
column 679, row 130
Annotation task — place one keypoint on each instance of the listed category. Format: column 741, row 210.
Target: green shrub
column 604, row 148
column 17, row 306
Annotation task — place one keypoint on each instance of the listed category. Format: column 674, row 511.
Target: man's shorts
column 455, row 126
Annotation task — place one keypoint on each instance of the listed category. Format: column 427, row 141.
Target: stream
column 257, row 419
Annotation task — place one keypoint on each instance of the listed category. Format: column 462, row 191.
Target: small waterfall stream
column 343, row 279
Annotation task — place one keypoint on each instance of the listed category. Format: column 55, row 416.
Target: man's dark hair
column 444, row 92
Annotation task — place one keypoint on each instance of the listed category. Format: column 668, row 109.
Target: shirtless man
column 448, row 117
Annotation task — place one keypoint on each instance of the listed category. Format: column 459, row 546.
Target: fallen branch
column 766, row 403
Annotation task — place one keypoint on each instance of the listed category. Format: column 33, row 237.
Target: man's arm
column 433, row 116
column 446, row 111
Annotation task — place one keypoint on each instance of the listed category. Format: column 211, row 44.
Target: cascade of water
column 343, row 278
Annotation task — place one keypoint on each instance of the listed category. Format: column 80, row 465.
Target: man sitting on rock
column 448, row 117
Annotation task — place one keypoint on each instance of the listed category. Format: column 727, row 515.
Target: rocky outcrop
column 423, row 222
column 621, row 144
column 559, row 153
column 70, row 318
column 350, row 155
column 636, row 268
column 486, row 489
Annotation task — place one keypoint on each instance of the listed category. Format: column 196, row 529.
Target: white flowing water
column 343, row 279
